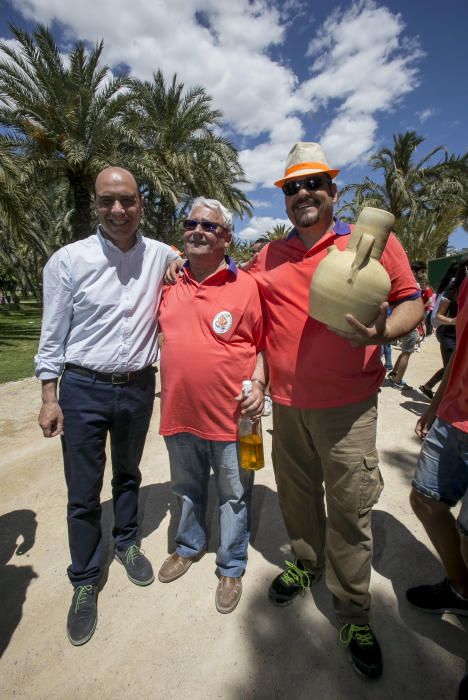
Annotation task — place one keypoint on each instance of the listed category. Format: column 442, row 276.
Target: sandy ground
column 168, row 640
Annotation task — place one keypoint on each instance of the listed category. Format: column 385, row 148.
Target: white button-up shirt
column 101, row 306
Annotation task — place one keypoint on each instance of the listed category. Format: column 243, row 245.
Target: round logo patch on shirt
column 222, row 322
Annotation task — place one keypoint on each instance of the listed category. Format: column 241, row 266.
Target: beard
column 305, row 212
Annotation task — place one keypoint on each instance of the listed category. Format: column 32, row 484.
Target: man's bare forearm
column 49, row 390
column 404, row 318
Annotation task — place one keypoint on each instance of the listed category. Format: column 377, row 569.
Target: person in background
column 426, row 296
column 408, row 345
column 419, row 270
column 259, row 244
column 441, row 481
column 444, row 319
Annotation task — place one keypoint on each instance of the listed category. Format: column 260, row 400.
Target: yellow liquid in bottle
column 251, row 452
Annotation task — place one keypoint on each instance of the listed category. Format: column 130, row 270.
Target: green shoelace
column 362, row 633
column 131, row 554
column 81, row 597
column 294, row 574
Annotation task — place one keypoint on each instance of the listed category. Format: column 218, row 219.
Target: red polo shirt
column 310, row 366
column 212, row 332
column 454, row 406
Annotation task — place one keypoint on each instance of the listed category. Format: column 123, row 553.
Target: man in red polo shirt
column 324, row 386
column 211, row 340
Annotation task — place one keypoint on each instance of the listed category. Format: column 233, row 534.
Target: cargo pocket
column 371, row 482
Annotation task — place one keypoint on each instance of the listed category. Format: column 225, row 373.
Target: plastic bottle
column 250, row 437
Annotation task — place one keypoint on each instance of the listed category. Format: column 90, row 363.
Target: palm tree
column 278, row 231
column 11, row 212
column 63, row 115
column 427, row 197
column 184, row 155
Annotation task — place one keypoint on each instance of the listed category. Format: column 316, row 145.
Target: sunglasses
column 208, row 226
column 311, row 184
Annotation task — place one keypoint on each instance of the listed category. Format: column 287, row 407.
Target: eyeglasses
column 208, row 226
column 312, row 183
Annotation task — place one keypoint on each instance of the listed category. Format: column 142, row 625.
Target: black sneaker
column 363, row 648
column 295, row 579
column 439, row 598
column 137, row 566
column 428, row 393
column 399, row 385
column 82, row 616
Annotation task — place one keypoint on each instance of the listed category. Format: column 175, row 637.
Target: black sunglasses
column 311, row 184
column 208, row 226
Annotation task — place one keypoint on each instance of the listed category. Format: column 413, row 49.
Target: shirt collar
column 107, row 242
column 231, row 265
column 339, row 228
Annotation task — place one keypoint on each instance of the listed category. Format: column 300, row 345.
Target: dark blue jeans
column 93, row 409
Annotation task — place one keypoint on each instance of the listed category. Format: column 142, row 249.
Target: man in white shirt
column 101, row 298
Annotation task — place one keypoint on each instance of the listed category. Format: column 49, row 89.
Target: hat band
column 322, row 167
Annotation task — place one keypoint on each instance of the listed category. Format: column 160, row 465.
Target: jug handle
column 363, row 253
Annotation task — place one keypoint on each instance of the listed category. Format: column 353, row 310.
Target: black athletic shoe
column 137, row 566
column 82, row 616
column 363, row 648
column 295, row 579
column 438, row 598
column 428, row 393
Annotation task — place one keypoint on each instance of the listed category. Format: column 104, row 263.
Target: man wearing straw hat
column 324, row 386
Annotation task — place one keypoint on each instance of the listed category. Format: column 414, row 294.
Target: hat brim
column 304, row 172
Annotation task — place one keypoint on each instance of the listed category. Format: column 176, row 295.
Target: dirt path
column 168, row 640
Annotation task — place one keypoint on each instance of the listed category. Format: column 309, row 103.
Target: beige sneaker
column 228, row 593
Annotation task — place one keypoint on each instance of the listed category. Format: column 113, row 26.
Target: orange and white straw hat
column 305, row 158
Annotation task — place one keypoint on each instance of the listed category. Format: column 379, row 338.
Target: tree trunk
column 166, row 220
column 81, row 217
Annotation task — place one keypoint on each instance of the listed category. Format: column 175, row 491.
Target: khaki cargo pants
column 330, row 452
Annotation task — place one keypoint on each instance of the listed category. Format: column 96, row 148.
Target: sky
column 348, row 75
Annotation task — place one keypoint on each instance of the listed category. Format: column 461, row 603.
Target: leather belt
column 110, row 377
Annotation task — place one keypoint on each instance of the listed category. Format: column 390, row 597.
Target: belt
column 110, row 377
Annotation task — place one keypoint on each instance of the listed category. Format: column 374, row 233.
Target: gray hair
column 213, row 204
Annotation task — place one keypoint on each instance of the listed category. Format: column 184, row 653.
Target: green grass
column 19, row 338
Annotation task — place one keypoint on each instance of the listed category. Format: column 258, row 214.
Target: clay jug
column 352, row 281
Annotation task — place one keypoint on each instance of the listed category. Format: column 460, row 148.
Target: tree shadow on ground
column 268, row 534
column 154, row 503
column 401, row 459
column 406, row 562
column 14, row 580
column 295, row 650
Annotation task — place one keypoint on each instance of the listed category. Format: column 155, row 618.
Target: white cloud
column 260, row 203
column 228, row 56
column 360, row 66
column 349, row 138
column 259, row 226
column 425, row 115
